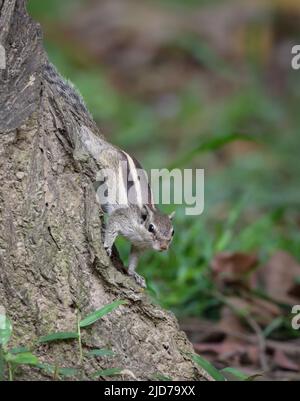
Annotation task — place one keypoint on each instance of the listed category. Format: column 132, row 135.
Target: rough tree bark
column 52, row 262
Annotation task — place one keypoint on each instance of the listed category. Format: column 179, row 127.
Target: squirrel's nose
column 164, row 247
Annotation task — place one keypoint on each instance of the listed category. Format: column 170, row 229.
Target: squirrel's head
column 159, row 228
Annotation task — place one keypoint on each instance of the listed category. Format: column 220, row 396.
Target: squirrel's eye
column 173, row 232
column 151, row 228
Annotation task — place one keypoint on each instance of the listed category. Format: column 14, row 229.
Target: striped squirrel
column 132, row 212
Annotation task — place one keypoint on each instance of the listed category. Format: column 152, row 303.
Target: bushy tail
column 64, row 88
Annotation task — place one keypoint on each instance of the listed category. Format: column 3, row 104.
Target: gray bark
column 52, row 262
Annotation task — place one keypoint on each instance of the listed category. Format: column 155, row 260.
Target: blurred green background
column 204, row 84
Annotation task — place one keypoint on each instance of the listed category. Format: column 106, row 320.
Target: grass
column 12, row 358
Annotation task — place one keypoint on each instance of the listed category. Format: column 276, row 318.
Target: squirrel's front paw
column 108, row 250
column 140, row 280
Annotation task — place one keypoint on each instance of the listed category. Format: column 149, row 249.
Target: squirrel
column 136, row 217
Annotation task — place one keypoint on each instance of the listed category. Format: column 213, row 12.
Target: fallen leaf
column 230, row 322
column 279, row 278
column 231, row 267
column 281, row 360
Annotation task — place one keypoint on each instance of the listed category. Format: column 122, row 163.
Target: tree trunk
column 52, row 263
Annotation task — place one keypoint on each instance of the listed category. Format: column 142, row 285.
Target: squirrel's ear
column 172, row 215
column 148, row 210
column 145, row 213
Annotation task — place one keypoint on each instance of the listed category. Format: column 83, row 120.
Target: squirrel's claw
column 108, row 250
column 140, row 280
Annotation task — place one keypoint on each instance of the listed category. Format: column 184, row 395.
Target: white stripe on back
column 134, row 177
column 122, row 184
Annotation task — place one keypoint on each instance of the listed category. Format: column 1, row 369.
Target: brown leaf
column 262, row 311
column 228, row 351
column 236, row 348
column 230, row 322
column 282, row 361
column 279, row 278
column 231, row 267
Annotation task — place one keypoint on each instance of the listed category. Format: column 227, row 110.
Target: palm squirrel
column 132, row 213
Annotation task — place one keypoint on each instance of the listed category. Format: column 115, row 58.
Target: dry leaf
column 231, row 267
column 279, row 278
column 281, row 360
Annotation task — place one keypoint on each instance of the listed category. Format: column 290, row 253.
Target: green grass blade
column 108, row 372
column 240, row 375
column 236, row 373
column 5, row 330
column 68, row 372
column 253, row 377
column 208, row 367
column 274, row 325
column 24, row 358
column 210, row 145
column 19, row 350
column 46, row 367
column 160, row 377
column 100, row 352
column 98, row 314
column 50, row 369
column 59, row 336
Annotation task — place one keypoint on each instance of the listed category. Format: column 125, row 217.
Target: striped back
column 135, row 183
